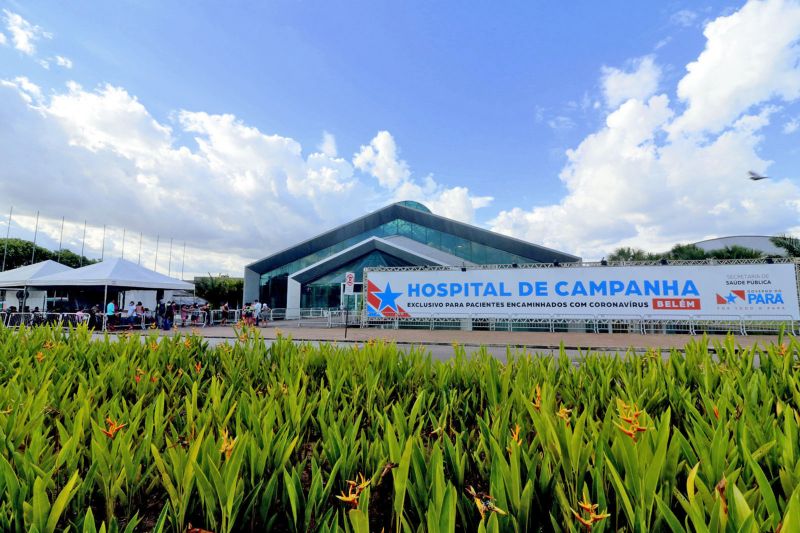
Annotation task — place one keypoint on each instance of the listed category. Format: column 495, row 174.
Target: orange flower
column 538, row 403
column 198, row 366
column 138, row 378
column 354, row 490
column 153, row 346
column 187, row 344
column 113, row 428
column 589, row 508
column 153, row 379
column 48, row 345
column 39, row 356
column 716, row 412
column 628, row 431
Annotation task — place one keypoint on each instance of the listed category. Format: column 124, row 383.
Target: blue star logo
column 388, row 298
column 731, row 298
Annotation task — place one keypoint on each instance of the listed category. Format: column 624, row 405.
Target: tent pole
column 105, row 309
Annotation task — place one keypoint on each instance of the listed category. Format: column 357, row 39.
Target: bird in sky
column 755, row 176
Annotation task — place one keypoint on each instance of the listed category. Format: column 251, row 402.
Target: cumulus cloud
column 232, row 188
column 380, row 159
column 639, row 81
column 3, row 39
column 23, row 33
column 750, row 56
column 791, row 126
column 630, row 183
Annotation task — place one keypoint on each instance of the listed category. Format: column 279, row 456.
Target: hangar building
column 311, row 273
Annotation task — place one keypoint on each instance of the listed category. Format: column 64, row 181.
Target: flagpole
column 123, row 243
column 8, row 232
column 60, row 240
column 103, row 249
column 183, row 259
column 155, row 262
column 169, row 268
column 139, row 261
column 35, row 234
column 83, row 241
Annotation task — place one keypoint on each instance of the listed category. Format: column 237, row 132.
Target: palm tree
column 788, row 243
column 736, row 252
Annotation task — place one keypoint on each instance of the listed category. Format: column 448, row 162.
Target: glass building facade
column 459, row 243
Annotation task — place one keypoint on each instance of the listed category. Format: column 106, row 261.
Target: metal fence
column 684, row 324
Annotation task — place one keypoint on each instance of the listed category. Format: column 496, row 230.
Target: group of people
column 166, row 315
column 255, row 313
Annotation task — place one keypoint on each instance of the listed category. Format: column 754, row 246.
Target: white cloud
column 29, row 91
column 791, row 126
column 630, row 183
column 684, row 17
column 380, row 159
column 62, row 61
column 100, row 155
column 328, row 144
column 23, row 33
column 750, row 56
column 3, row 39
column 640, row 82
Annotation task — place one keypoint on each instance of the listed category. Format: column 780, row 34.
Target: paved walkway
column 600, row 341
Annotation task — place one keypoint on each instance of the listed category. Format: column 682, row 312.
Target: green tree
column 735, row 252
column 219, row 289
column 788, row 243
column 19, row 254
column 627, row 253
column 686, row 252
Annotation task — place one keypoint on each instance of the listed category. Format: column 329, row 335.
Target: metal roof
column 398, row 211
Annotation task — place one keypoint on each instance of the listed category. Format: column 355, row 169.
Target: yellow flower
column 39, row 356
column 153, row 346
column 187, row 344
column 227, row 444
column 350, row 497
column 563, row 413
column 354, row 490
column 589, row 508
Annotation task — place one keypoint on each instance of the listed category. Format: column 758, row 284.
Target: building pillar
column 293, row 288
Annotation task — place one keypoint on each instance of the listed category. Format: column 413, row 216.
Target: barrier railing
column 678, row 324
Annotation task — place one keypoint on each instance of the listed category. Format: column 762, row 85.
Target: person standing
column 111, row 310
column 256, row 312
column 169, row 316
column 224, row 310
column 131, row 311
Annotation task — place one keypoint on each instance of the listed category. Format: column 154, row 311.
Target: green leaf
column 61, row 503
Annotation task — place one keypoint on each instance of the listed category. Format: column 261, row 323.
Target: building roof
column 19, row 277
column 418, row 216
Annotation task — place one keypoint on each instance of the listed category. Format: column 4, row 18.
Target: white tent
column 112, row 273
column 29, row 275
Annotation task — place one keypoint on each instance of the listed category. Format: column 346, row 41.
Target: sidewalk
column 602, row 341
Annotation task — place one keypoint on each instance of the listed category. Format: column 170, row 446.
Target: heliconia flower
column 563, row 413
column 599, row 517
column 538, row 403
column 359, row 486
column 588, row 506
column 153, row 379
column 629, row 432
column 153, row 346
column 187, row 344
column 48, row 345
column 587, row 522
column 39, row 356
column 350, row 497
column 783, row 350
column 138, row 378
column 227, row 444
column 113, row 428
column 198, row 366
column 716, row 412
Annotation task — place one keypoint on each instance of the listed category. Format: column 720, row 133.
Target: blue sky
column 476, row 96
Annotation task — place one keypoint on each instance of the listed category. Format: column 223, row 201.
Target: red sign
column 678, row 304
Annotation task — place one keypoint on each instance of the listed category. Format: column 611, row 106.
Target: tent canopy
column 112, row 273
column 27, row 275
